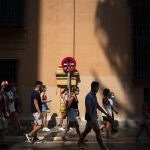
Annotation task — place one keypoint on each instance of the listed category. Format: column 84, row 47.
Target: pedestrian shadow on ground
column 51, row 136
column 52, row 122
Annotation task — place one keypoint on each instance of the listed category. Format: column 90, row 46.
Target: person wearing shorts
column 72, row 113
column 36, row 109
column 12, row 110
column 63, row 106
column 91, row 117
column 108, row 107
column 44, row 108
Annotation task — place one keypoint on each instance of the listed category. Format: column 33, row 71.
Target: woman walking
column 44, row 107
column 73, row 111
column 63, row 106
column 107, row 104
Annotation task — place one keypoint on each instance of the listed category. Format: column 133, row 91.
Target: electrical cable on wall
column 74, row 29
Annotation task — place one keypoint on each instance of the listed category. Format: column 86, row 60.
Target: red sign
column 68, row 64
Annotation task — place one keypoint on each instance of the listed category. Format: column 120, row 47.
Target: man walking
column 91, row 117
column 36, row 109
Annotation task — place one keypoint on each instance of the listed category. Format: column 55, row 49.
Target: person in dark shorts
column 91, row 117
column 36, row 109
column 114, row 111
column 109, row 108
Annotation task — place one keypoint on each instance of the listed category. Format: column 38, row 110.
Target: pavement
column 123, row 139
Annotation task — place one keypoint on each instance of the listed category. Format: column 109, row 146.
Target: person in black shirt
column 72, row 114
column 36, row 110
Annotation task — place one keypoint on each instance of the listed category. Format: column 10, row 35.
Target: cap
column 13, row 84
column 4, row 83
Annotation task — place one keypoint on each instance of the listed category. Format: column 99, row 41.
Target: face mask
column 10, row 95
column 96, row 89
column 77, row 92
column 113, row 97
column 45, row 89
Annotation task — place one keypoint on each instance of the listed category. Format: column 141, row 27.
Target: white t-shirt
column 109, row 107
column 61, row 99
column 10, row 95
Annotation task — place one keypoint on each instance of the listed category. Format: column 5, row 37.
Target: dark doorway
column 8, row 70
column 147, row 95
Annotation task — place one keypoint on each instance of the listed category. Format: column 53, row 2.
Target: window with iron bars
column 12, row 13
column 8, row 70
column 141, row 39
column 147, row 95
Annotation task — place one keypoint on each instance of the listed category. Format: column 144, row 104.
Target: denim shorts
column 72, row 115
column 44, row 107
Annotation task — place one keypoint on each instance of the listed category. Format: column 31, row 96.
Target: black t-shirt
column 35, row 96
column 74, row 104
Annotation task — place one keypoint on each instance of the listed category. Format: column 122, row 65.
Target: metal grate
column 8, row 70
column 12, row 13
column 141, row 39
column 147, row 95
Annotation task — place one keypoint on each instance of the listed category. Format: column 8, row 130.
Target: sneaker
column 71, row 129
column 29, row 138
column 36, row 140
column 46, row 129
column 62, row 129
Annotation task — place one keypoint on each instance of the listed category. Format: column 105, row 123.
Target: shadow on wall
column 113, row 31
column 118, row 106
column 31, row 55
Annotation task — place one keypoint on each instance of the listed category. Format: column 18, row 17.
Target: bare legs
column 63, row 116
column 44, row 119
column 15, row 120
column 107, row 125
column 36, row 128
column 68, row 127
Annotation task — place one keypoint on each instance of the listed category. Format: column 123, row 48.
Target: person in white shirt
column 108, row 106
column 63, row 106
column 112, row 97
column 12, row 110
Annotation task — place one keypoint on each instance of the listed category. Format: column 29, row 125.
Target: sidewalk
column 124, row 135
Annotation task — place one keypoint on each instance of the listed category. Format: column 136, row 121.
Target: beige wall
column 102, row 49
